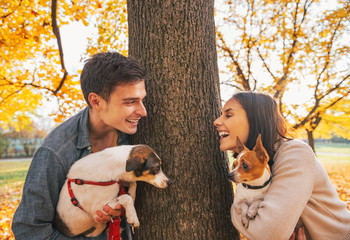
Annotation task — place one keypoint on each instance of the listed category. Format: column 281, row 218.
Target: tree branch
column 56, row 31
column 281, row 84
column 5, row 16
column 245, row 82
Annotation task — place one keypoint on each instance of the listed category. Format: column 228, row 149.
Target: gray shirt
column 46, row 175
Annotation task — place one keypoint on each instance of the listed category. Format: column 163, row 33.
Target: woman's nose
column 217, row 122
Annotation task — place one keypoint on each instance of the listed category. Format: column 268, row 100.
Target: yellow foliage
column 30, row 65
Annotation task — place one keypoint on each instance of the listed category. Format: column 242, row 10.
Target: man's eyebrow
column 130, row 98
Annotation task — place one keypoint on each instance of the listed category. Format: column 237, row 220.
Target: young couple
column 114, row 88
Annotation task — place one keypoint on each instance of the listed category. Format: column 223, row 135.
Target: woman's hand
column 103, row 218
column 299, row 234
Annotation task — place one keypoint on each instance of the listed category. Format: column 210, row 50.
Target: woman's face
column 233, row 122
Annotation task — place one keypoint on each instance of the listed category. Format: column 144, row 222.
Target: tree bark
column 310, row 138
column 175, row 42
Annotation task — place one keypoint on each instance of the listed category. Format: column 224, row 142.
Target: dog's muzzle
column 231, row 176
column 169, row 182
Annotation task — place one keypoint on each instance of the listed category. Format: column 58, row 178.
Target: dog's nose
column 231, row 176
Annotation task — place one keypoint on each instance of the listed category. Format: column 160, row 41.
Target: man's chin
column 130, row 131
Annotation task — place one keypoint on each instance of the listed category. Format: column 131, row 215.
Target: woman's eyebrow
column 227, row 110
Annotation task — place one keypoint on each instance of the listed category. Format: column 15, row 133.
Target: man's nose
column 142, row 110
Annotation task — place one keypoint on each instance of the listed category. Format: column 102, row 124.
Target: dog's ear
column 133, row 163
column 261, row 152
column 152, row 160
column 239, row 146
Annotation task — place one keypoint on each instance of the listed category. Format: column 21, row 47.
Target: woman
column 300, row 189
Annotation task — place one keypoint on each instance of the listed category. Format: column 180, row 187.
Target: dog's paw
column 245, row 221
column 133, row 221
column 251, row 214
column 237, row 208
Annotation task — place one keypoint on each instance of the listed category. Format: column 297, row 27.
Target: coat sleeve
column 294, row 174
column 33, row 218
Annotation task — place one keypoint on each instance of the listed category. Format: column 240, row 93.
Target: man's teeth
column 132, row 121
column 223, row 134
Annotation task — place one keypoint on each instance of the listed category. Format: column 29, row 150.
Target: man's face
column 125, row 108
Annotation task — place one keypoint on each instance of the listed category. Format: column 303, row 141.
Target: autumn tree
column 175, row 41
column 32, row 60
column 337, row 120
column 278, row 45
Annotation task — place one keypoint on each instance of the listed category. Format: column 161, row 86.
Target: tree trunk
column 310, row 138
column 175, row 42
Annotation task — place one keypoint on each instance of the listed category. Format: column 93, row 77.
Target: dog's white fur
column 110, row 164
column 246, row 201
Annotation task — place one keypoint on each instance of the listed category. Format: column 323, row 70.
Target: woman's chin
column 224, row 148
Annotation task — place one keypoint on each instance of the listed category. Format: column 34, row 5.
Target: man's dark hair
column 104, row 71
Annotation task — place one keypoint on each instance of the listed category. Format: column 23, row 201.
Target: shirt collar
column 83, row 136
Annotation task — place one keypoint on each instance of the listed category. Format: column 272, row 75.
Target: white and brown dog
column 252, row 175
column 92, row 182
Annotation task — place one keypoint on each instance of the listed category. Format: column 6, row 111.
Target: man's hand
column 103, row 218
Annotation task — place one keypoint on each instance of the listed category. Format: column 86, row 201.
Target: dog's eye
column 155, row 170
column 245, row 166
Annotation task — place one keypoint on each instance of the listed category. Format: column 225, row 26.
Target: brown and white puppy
column 127, row 163
column 252, row 175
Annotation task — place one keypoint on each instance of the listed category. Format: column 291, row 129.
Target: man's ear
column 239, row 146
column 95, row 100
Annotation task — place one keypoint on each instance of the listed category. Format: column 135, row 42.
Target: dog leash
column 114, row 224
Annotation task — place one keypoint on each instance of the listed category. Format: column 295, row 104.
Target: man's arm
column 34, row 217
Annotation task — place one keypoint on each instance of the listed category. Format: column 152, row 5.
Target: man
column 114, row 88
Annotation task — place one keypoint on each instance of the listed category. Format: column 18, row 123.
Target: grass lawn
column 12, row 171
column 337, row 149
column 333, row 153
column 12, row 175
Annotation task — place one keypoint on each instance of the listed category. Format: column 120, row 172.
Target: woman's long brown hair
column 264, row 118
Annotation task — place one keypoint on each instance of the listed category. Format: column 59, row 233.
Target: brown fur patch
column 143, row 161
column 255, row 167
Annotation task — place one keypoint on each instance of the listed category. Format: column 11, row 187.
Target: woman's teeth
column 224, row 134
